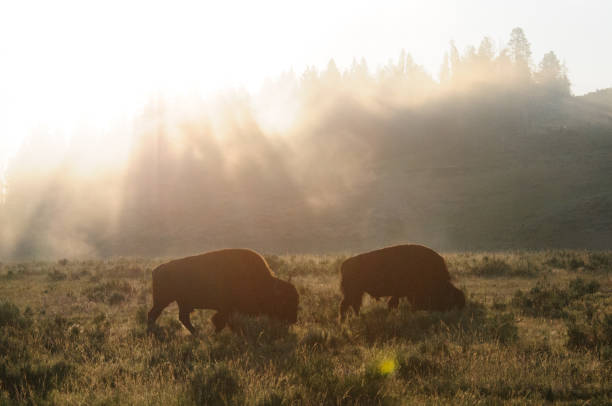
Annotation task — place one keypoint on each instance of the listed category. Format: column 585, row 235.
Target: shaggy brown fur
column 232, row 280
column 412, row 271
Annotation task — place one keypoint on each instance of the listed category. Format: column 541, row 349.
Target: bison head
column 455, row 299
column 459, row 301
column 441, row 297
column 284, row 301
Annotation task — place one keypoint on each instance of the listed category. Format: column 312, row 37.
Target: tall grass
column 525, row 337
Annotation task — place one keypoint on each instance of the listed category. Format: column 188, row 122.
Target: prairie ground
column 537, row 328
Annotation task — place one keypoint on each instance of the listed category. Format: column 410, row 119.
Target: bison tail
column 156, row 285
column 343, row 279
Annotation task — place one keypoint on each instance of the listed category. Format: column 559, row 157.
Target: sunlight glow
column 68, row 61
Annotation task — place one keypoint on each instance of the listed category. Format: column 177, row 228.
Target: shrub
column 491, row 267
column 56, row 276
column 542, row 301
column 121, row 271
column 500, row 327
column 594, row 335
column 10, row 316
column 168, row 331
column 52, row 332
column 111, row 292
column 581, row 260
column 576, row 263
column 79, row 274
column 301, row 265
column 142, row 314
column 116, row 298
column 578, row 337
column 327, row 386
column 366, row 388
column 95, row 334
column 13, row 347
column 260, row 329
column 215, row 385
column 496, row 267
column 416, row 365
column 545, row 300
column 275, row 399
column 600, row 261
column 315, row 339
column 579, row 287
column 39, row 377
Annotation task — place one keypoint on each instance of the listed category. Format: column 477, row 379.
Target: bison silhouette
column 412, row 271
column 230, row 281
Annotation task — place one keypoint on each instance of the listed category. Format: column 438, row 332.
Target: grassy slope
column 486, row 186
column 77, row 336
column 487, row 170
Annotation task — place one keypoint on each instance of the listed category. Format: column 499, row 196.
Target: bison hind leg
column 184, row 317
column 219, row 320
column 393, row 302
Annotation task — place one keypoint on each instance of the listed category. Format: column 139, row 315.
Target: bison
column 230, row 281
column 411, row 271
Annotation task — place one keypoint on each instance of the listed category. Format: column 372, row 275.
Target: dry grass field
column 537, row 328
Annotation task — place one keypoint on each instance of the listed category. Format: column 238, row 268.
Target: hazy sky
column 62, row 62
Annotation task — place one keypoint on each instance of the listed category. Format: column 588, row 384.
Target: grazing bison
column 231, row 280
column 411, row 271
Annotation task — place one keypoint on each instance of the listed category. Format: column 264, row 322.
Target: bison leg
column 350, row 300
column 344, row 305
column 184, row 318
column 219, row 320
column 356, row 306
column 393, row 302
column 153, row 315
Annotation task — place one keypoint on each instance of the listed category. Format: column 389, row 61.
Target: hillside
column 484, row 185
column 488, row 166
column 602, row 98
column 451, row 175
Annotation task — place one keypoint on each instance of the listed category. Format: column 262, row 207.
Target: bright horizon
column 67, row 63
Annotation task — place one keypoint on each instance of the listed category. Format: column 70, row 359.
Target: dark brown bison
column 231, row 280
column 411, row 271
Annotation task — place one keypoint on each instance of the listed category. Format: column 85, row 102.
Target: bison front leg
column 219, row 320
column 354, row 302
column 153, row 315
column 184, row 318
column 393, row 302
column 344, row 306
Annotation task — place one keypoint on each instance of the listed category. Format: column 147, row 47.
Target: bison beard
column 232, row 280
column 412, row 271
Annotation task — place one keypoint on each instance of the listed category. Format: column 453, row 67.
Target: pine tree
column 552, row 74
column 486, row 50
column 520, row 52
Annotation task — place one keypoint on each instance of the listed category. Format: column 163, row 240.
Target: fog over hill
column 496, row 155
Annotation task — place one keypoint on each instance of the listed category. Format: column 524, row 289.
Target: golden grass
column 63, row 344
